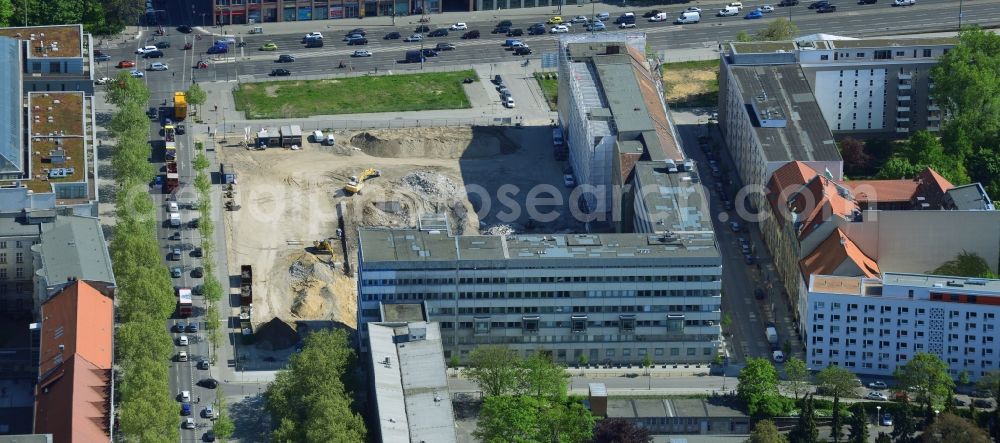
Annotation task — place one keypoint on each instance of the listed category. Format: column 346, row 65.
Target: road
column 851, row 20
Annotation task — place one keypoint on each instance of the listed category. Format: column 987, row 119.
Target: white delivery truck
column 772, row 335
column 688, row 17
column 659, row 17
column 175, row 220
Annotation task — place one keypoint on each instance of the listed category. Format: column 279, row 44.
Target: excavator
column 324, row 246
column 356, row 183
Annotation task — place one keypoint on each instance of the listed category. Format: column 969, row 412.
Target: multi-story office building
column 53, row 57
column 873, row 325
column 603, row 297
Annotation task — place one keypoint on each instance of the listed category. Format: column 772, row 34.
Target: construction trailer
column 227, row 173
column 268, row 138
column 180, row 105
column 291, row 135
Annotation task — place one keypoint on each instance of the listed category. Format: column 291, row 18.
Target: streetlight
column 878, row 414
column 960, row 14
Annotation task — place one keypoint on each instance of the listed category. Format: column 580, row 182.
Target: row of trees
column 526, row 400
column 147, row 411
column 309, row 401
column 101, row 17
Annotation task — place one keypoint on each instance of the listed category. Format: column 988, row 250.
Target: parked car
column 158, row 67
column 523, row 50
column 428, row 52
column 501, row 29
column 596, row 26
column 392, row 36
column 145, row 49
column 362, row 53
column 422, row 28
column 196, row 252
column 766, row 9
column 312, row 35
column 693, row 9
column 904, row 2
column 652, row 13
column 818, row 4
column 209, row 383
column 555, row 20
column 192, row 327
column 102, row 57
column 208, row 412
column 537, row 29
column 471, row 35
column 579, row 19
column 203, row 364
column 789, row 3
column 626, row 25
column 736, row 226
column 280, row 73
column 444, row 47
column 188, row 423
column 153, row 54
column 878, row 385
column 983, row 403
column 559, row 29
column 875, row 395
column 176, row 272
column 102, row 81
column 887, row 419
column 180, row 326
column 184, row 29
column 357, row 41
column 126, row 64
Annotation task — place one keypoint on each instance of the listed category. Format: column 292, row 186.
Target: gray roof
column 411, row 385
column 26, row 438
column 623, row 94
column 13, row 226
column 74, row 246
column 981, row 286
column 392, row 246
column 674, row 202
column 668, row 407
column 10, row 107
column 786, row 117
column 894, row 43
column 970, row 197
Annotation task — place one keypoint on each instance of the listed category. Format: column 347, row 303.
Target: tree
column 506, row 418
column 619, row 430
column 647, row 362
column 583, row 360
column 778, row 30
column 856, row 159
column 196, row 96
column 859, row 426
column 6, row 12
column 805, row 430
column 567, row 421
column 744, row 36
column 837, row 423
column 950, row 428
column 758, row 383
column 991, row 383
column 836, row 381
column 883, row 438
column 223, row 426
column 200, row 162
column 542, row 378
column 903, row 425
column 796, row 376
column 928, row 377
column 309, row 399
column 965, row 264
column 126, row 89
column 766, row 432
column 495, row 369
column 896, row 168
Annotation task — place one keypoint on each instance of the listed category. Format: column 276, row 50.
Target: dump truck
column 246, row 285
column 180, row 105
column 356, row 183
column 170, row 151
column 169, row 131
column 173, row 178
column 184, row 304
column 246, row 323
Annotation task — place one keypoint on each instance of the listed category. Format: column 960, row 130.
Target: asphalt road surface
column 851, row 19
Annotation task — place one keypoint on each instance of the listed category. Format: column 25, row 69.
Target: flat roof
column 669, row 407
column 49, row 41
column 392, row 245
column 784, row 95
column 411, row 385
column 836, row 284
column 937, row 281
column 74, row 247
column 11, row 152
column 396, row 312
column 14, row 226
column 894, row 42
column 673, row 201
column 58, row 140
column 760, row 47
column 623, row 94
column 970, row 197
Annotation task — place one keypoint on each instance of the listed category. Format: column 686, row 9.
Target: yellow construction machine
column 356, row 183
column 324, row 246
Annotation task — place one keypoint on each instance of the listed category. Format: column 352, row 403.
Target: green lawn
column 354, row 95
column 691, row 83
column 550, row 87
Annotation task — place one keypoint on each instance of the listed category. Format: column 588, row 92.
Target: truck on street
column 184, row 303
column 173, row 178
column 772, row 335
column 180, row 105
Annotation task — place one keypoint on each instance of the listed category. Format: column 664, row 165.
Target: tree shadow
column 253, row 422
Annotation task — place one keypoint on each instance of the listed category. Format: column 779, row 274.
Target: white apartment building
column 873, row 325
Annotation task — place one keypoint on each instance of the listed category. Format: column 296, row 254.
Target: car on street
column 459, row 27
column 652, row 13
column 102, row 81
column 887, row 419
column 596, row 26
column 537, row 29
column 280, row 73
column 516, row 32
column 904, row 2
column 182, row 340
column 693, row 9
column 444, row 47
column 728, row 12
column 269, row 46
column 184, row 29
column 145, row 49
column 158, row 66
column 180, row 326
column 471, row 35
column 209, row 435
column 501, row 29
column 428, row 52
column 627, row 25
column 362, row 53
column 875, row 395
column 286, row 58
column 185, row 396
column 176, row 272
column 789, row 3
column 137, row 73
column 357, row 41
column 126, row 64
column 153, row 54
column 559, row 29
column 196, row 252
column 208, row 412
column 175, row 254
column 878, row 385
column 188, row 423
column 758, row 294
column 827, row 8
column 197, row 272
column 440, row 32
column 191, row 327
column 359, row 31
column 766, row 9
column 579, row 19
column 414, row 38
column 753, row 15
column 102, row 58
column 959, row 402
column 818, row 4
column 350, row 37
column 422, row 29
column 185, row 409
column 209, row 383
column 312, row 35
column 162, row 45
column 568, row 180
column 983, row 403
column 523, row 50
column 497, row 80
column 393, row 36
column 736, row 226
column 555, row 20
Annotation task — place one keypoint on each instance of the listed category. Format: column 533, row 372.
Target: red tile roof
column 817, row 202
column 785, row 181
column 884, row 191
column 71, row 401
column 831, row 255
column 653, row 100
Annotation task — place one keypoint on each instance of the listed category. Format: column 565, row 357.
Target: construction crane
column 356, row 183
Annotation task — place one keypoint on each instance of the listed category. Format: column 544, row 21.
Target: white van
column 728, row 11
column 778, row 356
column 182, row 341
column 330, row 140
column 317, row 136
column 182, row 356
column 659, row 17
column 688, row 17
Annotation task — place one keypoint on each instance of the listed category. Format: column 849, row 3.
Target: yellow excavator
column 324, row 246
column 356, row 183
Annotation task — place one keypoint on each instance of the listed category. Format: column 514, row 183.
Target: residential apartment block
column 607, row 297
column 871, row 325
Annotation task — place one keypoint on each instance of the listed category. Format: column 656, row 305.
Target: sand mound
column 428, row 143
column 319, row 291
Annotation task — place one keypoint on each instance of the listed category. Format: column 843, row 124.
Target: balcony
column 906, row 76
column 933, row 107
column 903, row 108
column 932, row 128
column 903, row 129
column 933, row 117
column 902, row 119
column 904, row 87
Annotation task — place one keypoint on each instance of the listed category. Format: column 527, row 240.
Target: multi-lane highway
column 851, row 19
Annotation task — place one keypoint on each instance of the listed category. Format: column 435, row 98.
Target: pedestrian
column 199, row 399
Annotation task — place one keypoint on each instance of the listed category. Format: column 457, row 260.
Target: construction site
column 298, row 209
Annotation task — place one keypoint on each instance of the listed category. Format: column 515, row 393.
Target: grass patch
column 691, row 83
column 549, row 83
column 354, row 95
